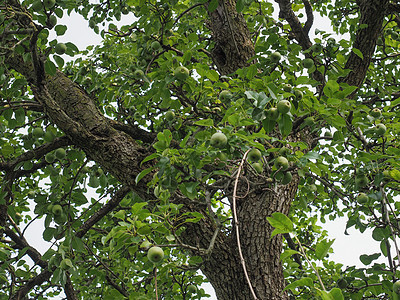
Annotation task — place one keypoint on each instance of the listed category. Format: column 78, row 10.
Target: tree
column 131, row 121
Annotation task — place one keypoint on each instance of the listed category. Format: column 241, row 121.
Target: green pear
column 283, row 106
column 181, row 73
column 225, row 95
column 218, row 140
column 60, row 48
column 254, row 155
column 281, row 162
column 307, row 63
column 275, row 57
column 155, row 254
column 170, row 116
column 362, row 198
column 258, row 167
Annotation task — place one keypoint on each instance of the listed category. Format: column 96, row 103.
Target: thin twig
column 309, row 262
column 237, row 225
column 387, row 219
column 155, row 281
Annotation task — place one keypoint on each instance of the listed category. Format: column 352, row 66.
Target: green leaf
column 239, row 5
column 305, row 281
column 281, row 223
column 212, row 75
column 367, row 259
column 20, row 116
column 60, row 29
column 212, row 5
column 48, row 233
column 322, row 248
column 150, row 157
column 379, row 234
column 142, row 174
column 285, row 124
column 206, row 122
column 59, row 61
column 50, row 67
column 7, row 150
column 288, row 253
column 358, row 53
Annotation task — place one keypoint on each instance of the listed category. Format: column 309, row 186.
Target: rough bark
column 372, row 14
column 261, row 253
column 233, row 46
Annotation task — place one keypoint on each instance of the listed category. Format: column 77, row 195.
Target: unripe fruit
column 362, row 198
column 218, row 140
column 65, row 264
column 376, row 113
column 225, row 95
column 380, row 129
column 60, row 219
column 275, row 57
column 60, row 48
column 60, row 153
column 50, row 208
column 309, row 121
column 181, row 73
column 37, row 132
column 281, row 162
column 316, row 48
column 48, row 136
column 298, row 94
column 155, row 45
column 258, row 167
column 307, row 63
column 283, row 106
column 138, row 74
column 287, row 87
column 284, row 151
column 272, row 113
column 191, row 289
column 170, row 116
column 396, row 287
column 57, row 210
column 99, row 172
column 155, row 254
column 287, row 178
column 50, row 158
column 328, row 134
column 254, row 155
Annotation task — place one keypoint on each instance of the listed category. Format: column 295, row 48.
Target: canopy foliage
column 113, row 149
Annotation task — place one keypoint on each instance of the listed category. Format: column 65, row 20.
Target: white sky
column 347, row 248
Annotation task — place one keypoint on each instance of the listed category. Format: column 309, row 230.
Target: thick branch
column 109, row 206
column 300, row 34
column 21, row 243
column 372, row 16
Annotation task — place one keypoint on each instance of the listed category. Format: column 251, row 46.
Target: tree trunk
column 233, row 45
column 261, row 253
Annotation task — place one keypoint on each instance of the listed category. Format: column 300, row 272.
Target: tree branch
column 372, row 17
